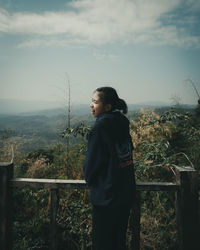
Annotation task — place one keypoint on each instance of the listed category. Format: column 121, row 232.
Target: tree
column 195, row 89
column 68, row 116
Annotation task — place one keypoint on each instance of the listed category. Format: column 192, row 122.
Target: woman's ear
column 108, row 107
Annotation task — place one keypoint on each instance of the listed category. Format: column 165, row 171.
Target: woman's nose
column 91, row 105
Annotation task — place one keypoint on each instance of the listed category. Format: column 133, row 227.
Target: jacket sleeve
column 96, row 156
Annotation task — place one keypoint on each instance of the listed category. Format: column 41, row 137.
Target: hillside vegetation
column 162, row 138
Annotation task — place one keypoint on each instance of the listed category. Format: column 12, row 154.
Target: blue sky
column 146, row 49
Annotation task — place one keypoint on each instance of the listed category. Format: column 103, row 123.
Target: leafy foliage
column 162, row 140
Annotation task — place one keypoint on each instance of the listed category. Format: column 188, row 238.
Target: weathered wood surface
column 48, row 183
column 187, row 209
column 54, row 203
column 6, row 204
column 156, row 186
column 66, row 184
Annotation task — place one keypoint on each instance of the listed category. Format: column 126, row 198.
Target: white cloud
column 100, row 22
column 101, row 56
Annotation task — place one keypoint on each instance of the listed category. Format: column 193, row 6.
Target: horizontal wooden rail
column 157, row 186
column 48, row 183
column 65, row 184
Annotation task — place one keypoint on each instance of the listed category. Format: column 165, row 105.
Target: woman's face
column 97, row 106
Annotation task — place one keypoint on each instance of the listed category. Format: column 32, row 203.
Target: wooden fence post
column 187, row 208
column 6, row 205
column 54, row 203
column 135, row 223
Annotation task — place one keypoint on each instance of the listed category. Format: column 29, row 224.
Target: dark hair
column 109, row 95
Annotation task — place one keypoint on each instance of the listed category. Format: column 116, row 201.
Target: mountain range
column 21, row 107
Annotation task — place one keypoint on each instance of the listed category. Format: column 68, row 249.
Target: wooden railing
column 187, row 199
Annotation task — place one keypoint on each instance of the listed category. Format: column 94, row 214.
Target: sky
column 146, row 49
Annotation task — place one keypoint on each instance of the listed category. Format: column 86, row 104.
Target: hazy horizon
column 9, row 106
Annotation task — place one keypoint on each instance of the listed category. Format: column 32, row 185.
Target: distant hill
column 49, row 109
column 77, row 110
column 40, row 129
column 20, row 107
column 12, row 106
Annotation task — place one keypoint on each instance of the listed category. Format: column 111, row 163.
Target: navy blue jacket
column 108, row 167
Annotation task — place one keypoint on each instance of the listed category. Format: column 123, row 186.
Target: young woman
column 108, row 170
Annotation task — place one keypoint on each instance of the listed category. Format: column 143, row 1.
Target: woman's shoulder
column 101, row 124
